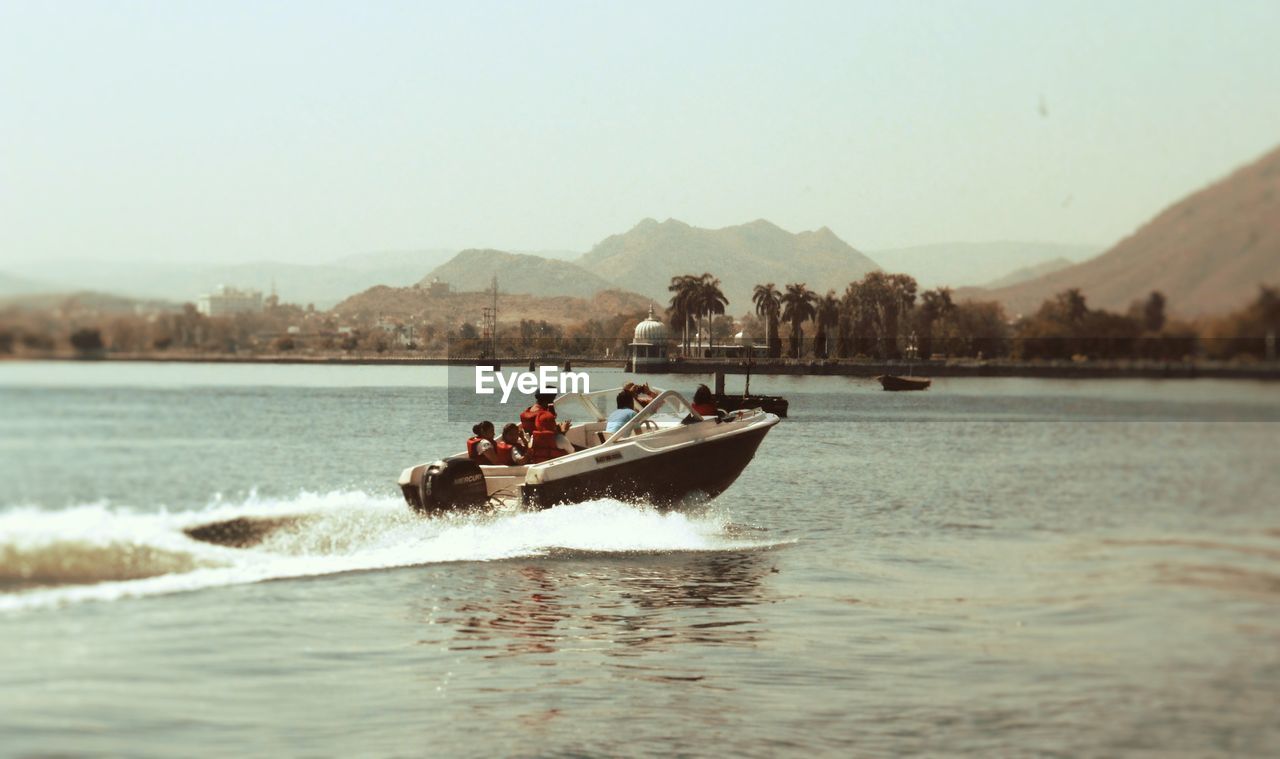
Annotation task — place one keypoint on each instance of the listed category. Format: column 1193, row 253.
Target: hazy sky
column 308, row 130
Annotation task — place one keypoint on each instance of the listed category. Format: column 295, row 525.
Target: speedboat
column 665, row 454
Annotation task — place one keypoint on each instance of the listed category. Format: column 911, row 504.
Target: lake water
column 992, row 567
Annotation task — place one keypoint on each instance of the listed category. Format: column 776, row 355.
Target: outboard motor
column 456, row 483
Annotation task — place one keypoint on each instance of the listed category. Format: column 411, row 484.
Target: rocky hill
column 645, row 258
column 455, row 308
column 1207, row 253
column 472, row 270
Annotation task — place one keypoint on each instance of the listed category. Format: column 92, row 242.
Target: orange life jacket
column 546, row 420
column 542, row 446
column 705, row 409
column 473, row 449
column 529, row 417
column 504, row 450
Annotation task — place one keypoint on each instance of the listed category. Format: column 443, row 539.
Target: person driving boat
column 622, row 414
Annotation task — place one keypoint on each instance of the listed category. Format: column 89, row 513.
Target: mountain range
column 473, row 270
column 642, row 260
column 323, row 284
column 646, row 257
column 1207, row 253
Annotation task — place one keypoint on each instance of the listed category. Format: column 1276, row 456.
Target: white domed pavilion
column 648, row 346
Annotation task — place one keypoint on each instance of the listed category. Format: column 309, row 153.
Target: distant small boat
column 896, row 383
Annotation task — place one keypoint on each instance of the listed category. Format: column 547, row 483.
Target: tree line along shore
column 1087, row 369
column 879, row 320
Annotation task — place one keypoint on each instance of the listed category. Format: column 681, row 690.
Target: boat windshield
column 669, row 409
column 588, row 406
column 581, row 407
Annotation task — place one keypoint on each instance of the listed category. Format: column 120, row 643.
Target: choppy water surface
column 991, row 567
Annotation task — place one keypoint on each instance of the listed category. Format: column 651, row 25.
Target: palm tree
column 710, row 301
column 683, row 303
column 695, row 298
column 768, row 306
column 797, row 308
column 828, row 315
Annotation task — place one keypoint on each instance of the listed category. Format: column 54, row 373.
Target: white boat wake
column 100, row 552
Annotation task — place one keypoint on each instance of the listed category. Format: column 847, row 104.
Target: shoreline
column 1269, row 371
column 994, row 368
column 263, row 359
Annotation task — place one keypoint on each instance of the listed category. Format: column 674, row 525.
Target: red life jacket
column 546, row 420
column 473, row 450
column 542, row 440
column 705, row 409
column 542, row 446
column 504, row 450
column 529, row 417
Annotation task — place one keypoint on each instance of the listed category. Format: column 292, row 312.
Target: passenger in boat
column 529, row 417
column 510, row 448
column 544, row 406
column 547, row 440
column 480, row 448
column 704, row 403
column 626, row 409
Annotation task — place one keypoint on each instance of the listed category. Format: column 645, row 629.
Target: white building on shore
column 648, row 349
column 225, row 301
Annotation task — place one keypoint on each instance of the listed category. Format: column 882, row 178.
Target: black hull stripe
column 706, row 469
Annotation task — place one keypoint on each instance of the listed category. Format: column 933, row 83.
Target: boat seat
column 586, row 435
